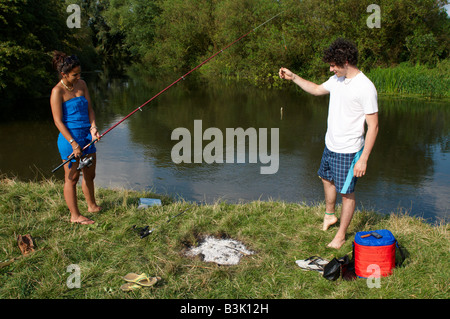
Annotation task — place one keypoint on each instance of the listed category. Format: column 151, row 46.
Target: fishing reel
column 143, row 232
column 85, row 162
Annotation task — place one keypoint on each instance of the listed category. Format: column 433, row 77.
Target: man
column 353, row 102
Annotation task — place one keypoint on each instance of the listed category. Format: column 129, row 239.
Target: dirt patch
column 222, row 251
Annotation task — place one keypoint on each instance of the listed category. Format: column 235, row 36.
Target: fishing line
column 167, row 88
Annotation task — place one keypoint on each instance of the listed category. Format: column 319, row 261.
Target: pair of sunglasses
column 69, row 60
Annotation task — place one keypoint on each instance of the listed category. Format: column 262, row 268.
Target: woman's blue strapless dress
column 76, row 119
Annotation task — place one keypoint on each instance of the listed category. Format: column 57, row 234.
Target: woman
column 75, row 119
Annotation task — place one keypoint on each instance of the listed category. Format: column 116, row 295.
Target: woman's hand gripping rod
column 83, row 162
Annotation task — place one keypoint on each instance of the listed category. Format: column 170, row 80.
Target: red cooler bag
column 374, row 257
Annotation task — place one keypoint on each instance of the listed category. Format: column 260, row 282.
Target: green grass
column 278, row 232
column 406, row 80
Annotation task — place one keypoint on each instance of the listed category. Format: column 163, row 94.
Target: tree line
column 172, row 36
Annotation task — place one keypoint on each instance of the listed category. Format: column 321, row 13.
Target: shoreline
column 171, row 198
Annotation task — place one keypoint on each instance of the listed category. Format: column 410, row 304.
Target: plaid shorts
column 338, row 168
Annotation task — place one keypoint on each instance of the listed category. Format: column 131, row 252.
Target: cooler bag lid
column 387, row 239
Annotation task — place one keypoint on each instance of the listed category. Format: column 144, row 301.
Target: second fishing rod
column 87, row 161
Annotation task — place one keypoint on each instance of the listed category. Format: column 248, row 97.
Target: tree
column 134, row 19
column 31, row 30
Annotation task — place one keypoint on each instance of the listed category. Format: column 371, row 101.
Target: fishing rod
column 183, row 77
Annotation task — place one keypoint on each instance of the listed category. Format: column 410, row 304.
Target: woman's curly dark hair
column 63, row 63
column 340, row 52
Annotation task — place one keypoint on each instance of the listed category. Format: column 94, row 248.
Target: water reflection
column 409, row 167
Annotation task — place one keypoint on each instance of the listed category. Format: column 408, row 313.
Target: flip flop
column 130, row 286
column 142, row 279
column 312, row 263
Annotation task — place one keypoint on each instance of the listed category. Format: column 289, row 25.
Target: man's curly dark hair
column 340, row 52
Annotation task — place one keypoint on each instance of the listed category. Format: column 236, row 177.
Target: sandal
column 130, row 286
column 312, row 263
column 142, row 279
column 26, row 244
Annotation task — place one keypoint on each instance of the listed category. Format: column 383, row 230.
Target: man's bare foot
column 94, row 209
column 336, row 243
column 82, row 220
column 328, row 220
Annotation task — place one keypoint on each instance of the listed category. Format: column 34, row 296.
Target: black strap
column 402, row 251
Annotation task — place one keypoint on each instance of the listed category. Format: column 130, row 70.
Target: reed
column 278, row 232
column 406, row 79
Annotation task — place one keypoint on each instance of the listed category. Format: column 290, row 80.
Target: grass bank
column 278, row 232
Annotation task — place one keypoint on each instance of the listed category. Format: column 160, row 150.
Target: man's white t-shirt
column 350, row 100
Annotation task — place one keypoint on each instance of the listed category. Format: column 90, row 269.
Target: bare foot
column 336, row 243
column 94, row 209
column 329, row 220
column 82, row 221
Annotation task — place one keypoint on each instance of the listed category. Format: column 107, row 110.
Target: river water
column 408, row 171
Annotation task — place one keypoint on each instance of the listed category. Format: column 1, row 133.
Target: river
column 408, row 171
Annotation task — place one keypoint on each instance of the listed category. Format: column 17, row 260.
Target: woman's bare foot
column 94, row 209
column 328, row 220
column 82, row 220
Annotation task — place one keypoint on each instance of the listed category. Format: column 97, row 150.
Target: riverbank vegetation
column 169, row 37
column 409, row 80
column 279, row 233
